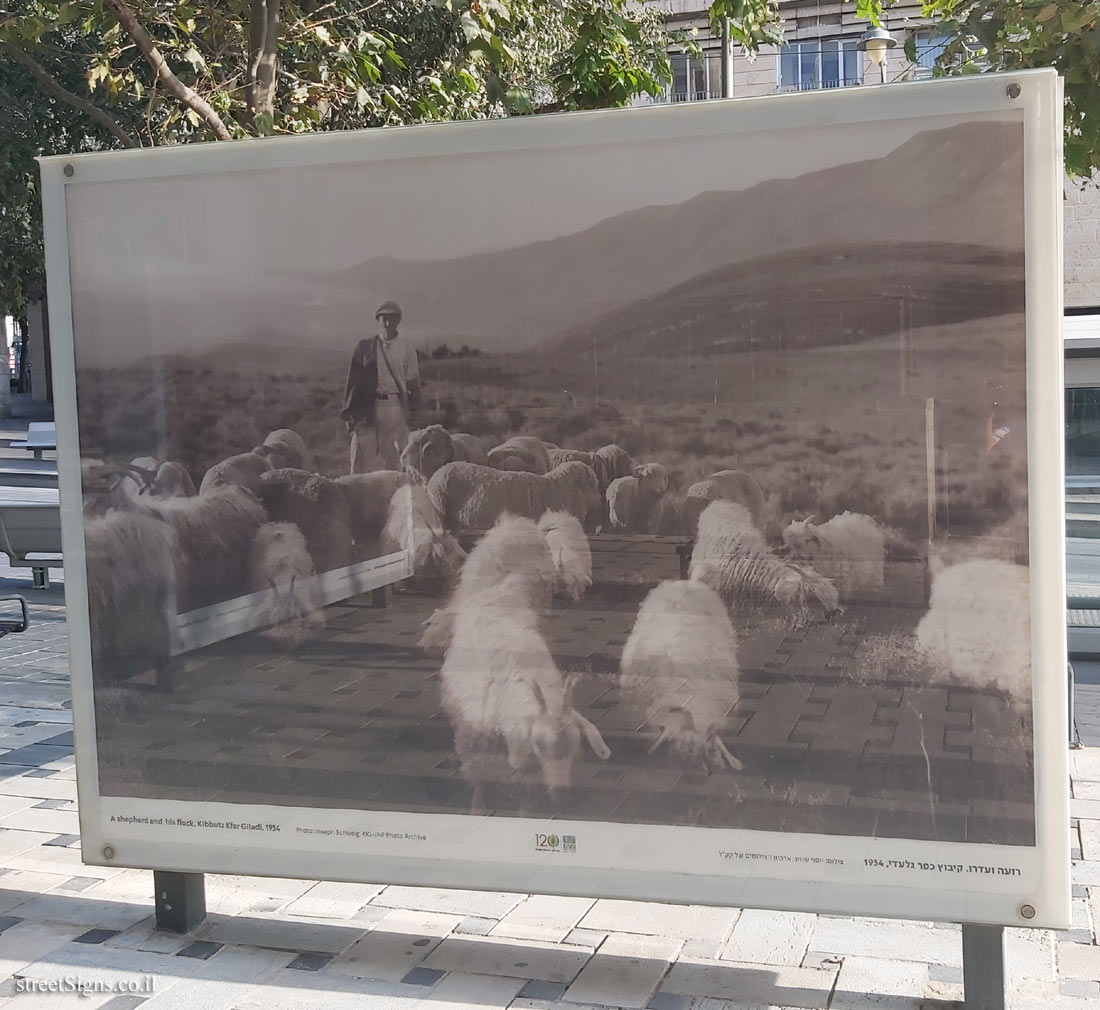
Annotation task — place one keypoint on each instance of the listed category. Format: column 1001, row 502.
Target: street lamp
column 875, row 42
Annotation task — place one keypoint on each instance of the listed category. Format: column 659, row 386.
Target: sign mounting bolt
column 108, row 852
column 1013, row 91
column 68, row 170
column 1027, row 911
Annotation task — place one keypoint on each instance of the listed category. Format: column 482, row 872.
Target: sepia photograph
column 641, row 482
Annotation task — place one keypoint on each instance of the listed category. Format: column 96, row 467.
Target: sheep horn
column 661, row 738
column 723, row 753
column 147, row 477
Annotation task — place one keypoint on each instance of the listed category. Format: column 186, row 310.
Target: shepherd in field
column 381, row 395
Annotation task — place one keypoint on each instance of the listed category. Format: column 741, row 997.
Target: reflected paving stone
column 514, row 959
column 396, row 945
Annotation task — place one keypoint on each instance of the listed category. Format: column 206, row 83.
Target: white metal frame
column 678, row 864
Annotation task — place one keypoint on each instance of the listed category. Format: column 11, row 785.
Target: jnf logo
column 552, row 843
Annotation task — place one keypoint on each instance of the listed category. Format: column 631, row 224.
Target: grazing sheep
column 732, row 557
column 521, row 452
column 499, row 682
column 680, row 670
column 469, row 496
column 849, row 549
column 368, row 496
column 978, row 626
column 514, row 546
column 279, row 566
column 609, row 462
column 318, row 507
column 213, row 532
column 284, row 447
column 162, row 480
column 107, row 487
column 725, row 485
column 430, row 448
column 570, row 551
column 131, row 594
column 636, row 503
column 414, row 526
column 243, row 470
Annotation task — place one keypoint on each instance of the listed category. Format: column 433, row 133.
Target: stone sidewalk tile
column 290, row 989
column 624, row 972
column 27, row 942
column 863, row 981
column 221, row 981
column 79, row 910
column 1084, row 790
column 527, row 959
column 1029, row 953
column 20, row 886
column 98, row 962
column 1085, row 764
column 1090, row 839
column 682, row 922
column 332, row 900
column 51, row 788
column 54, row 859
column 462, row 991
column 233, row 894
column 397, row 943
column 14, row 843
column 766, row 937
column 888, row 939
column 55, row 822
column 489, row 904
column 11, row 804
column 543, row 917
column 1085, row 809
column 279, row 933
column 767, row 985
column 1078, row 960
column 1086, row 872
column 1094, row 911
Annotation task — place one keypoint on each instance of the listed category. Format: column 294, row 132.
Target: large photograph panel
column 659, row 483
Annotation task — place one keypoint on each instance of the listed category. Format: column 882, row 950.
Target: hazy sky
column 430, row 208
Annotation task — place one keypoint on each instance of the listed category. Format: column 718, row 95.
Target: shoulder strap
column 386, row 358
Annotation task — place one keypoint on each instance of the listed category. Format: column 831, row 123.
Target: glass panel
column 809, row 66
column 714, row 74
column 1082, row 490
column 851, row 62
column 1082, row 431
column 929, row 47
column 698, row 79
column 679, row 78
column 788, row 66
column 830, row 64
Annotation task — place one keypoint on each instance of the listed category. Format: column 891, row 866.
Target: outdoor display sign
column 662, row 503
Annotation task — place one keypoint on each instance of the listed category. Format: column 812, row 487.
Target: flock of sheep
column 263, row 525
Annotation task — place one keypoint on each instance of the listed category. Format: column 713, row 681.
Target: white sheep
column 368, row 496
column 521, row 452
column 131, row 593
column 732, row 557
column 636, row 503
column 162, row 480
column 849, row 549
column 242, row 470
column 280, row 568
column 680, row 673
column 725, row 485
column 469, row 496
column 569, row 548
column 978, row 626
column 284, row 447
column 499, row 683
column 430, row 448
column 608, row 461
column 319, row 508
column 514, row 546
column 414, row 526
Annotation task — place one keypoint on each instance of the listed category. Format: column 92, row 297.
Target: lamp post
column 876, row 42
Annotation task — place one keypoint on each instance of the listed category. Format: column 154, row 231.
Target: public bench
column 41, row 435
column 31, row 524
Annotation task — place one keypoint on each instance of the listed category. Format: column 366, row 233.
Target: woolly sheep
column 499, row 682
column 978, row 626
column 243, row 470
column 162, row 480
column 609, row 462
column 636, row 503
column 849, row 549
column 284, row 447
column 414, row 526
column 570, row 551
column 131, row 594
column 318, row 507
column 521, row 452
column 725, row 485
column 368, row 496
column 430, row 448
column 213, row 532
column 514, row 546
column 280, row 568
column 732, row 557
column 469, row 496
column 680, row 673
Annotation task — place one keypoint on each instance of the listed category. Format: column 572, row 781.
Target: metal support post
column 727, row 60
column 180, row 900
column 983, row 967
column 379, row 598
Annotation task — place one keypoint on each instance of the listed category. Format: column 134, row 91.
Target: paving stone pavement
column 270, row 944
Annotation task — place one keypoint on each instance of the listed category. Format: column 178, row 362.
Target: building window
column 695, row 78
column 819, row 63
column 929, row 47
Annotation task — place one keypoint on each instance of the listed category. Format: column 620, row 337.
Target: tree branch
column 263, row 42
column 171, row 83
column 52, row 87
